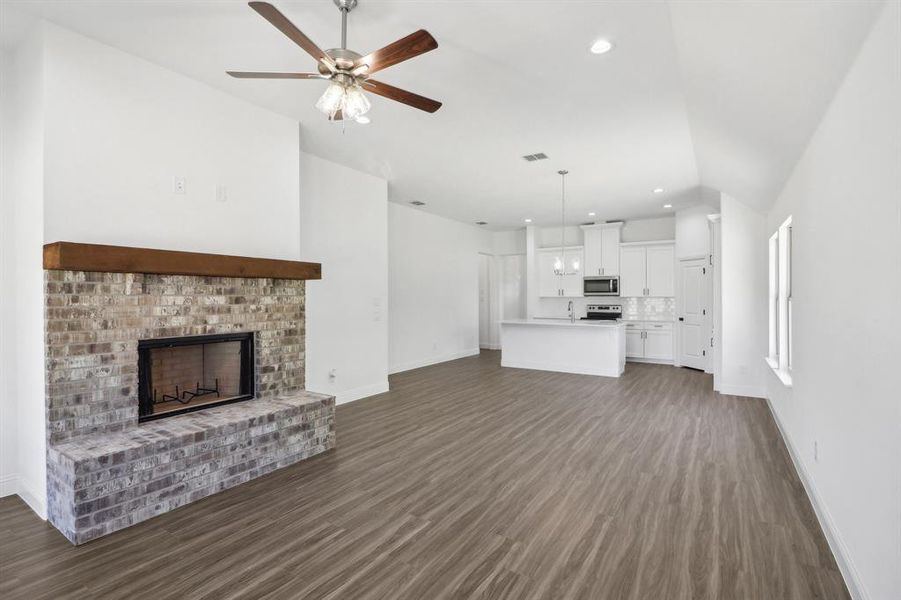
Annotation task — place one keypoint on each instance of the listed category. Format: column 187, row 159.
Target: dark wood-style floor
column 472, row 481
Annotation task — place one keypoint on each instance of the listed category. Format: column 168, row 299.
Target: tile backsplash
column 649, row 308
column 633, row 308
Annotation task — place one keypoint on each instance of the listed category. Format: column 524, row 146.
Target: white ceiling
column 696, row 95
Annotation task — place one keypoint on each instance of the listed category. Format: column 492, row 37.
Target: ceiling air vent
column 534, row 157
column 481, row 222
column 417, row 203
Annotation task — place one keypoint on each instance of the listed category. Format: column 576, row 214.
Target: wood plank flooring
column 472, row 481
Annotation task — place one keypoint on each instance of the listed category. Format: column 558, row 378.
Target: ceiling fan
column 347, row 71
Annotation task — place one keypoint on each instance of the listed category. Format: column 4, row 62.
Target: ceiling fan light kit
column 348, row 71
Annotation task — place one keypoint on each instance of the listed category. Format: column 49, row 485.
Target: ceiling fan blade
column 281, row 22
column 399, row 95
column 403, row 49
column 256, row 75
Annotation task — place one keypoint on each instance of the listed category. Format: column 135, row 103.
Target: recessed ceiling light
column 362, row 120
column 667, row 206
column 658, row 190
column 591, row 214
column 527, row 220
column 601, row 47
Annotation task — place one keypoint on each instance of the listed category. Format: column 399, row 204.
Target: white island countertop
column 562, row 322
column 589, row 347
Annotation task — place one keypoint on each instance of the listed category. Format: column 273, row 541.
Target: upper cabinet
column 647, row 269
column 553, row 284
column 601, row 249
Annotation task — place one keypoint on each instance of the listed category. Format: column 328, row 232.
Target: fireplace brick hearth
column 105, row 470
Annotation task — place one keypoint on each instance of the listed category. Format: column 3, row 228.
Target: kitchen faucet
column 572, row 313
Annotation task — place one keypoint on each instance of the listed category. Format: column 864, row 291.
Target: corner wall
column 842, row 417
column 744, row 300
column 433, row 288
column 22, row 432
column 344, row 225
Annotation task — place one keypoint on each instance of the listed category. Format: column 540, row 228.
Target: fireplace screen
column 178, row 375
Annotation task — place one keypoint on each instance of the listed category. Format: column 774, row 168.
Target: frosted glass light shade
column 350, row 101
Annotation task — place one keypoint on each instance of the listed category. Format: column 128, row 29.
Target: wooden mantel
column 70, row 256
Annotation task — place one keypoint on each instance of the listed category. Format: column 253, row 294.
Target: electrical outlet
column 221, row 193
column 179, row 185
column 333, row 374
column 816, row 451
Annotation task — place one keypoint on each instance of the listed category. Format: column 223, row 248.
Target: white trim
column 783, row 375
column 13, row 484
column 361, row 392
column 836, row 544
column 652, row 361
column 432, row 360
column 490, row 346
column 9, row 485
column 749, row 391
column 648, row 243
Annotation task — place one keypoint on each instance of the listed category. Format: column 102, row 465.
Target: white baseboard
column 14, row 485
column 361, row 392
column 839, row 550
column 750, row 391
column 432, row 360
column 652, row 361
column 490, row 346
column 9, row 485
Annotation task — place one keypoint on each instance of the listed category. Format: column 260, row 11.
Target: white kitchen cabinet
column 552, row 285
column 632, row 270
column 601, row 249
column 647, row 270
column 634, row 343
column 649, row 341
column 661, row 267
column 658, row 343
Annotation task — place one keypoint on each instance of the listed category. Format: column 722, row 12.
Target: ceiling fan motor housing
column 344, row 59
column 347, row 5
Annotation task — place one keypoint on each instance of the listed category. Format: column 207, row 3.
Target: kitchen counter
column 561, row 322
column 584, row 347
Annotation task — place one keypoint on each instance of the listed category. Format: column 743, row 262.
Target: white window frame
column 779, row 353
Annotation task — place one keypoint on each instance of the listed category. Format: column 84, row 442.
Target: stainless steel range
column 603, row 312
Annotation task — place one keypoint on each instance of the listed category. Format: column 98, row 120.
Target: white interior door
column 484, row 301
column 693, row 297
column 513, row 285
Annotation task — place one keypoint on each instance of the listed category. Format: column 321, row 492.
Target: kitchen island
column 584, row 347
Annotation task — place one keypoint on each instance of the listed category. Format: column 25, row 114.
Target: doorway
column 693, row 313
column 486, row 277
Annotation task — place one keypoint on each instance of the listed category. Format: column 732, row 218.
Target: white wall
column 344, row 226
column 648, row 230
column 744, row 296
column 22, row 428
column 433, row 291
column 119, row 129
column 692, row 231
column 845, row 199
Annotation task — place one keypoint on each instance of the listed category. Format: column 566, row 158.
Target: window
column 779, row 354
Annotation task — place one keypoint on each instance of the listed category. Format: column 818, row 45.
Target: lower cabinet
column 649, row 340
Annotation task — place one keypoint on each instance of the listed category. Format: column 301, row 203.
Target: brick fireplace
column 165, row 388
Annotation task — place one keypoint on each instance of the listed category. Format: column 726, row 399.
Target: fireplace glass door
column 178, row 375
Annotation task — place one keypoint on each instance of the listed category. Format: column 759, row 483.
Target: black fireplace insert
column 179, row 375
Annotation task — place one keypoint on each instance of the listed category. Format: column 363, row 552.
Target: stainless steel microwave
column 604, row 285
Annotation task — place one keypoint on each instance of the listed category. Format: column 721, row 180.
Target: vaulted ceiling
column 695, row 96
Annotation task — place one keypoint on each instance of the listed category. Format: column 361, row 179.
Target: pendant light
column 560, row 264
